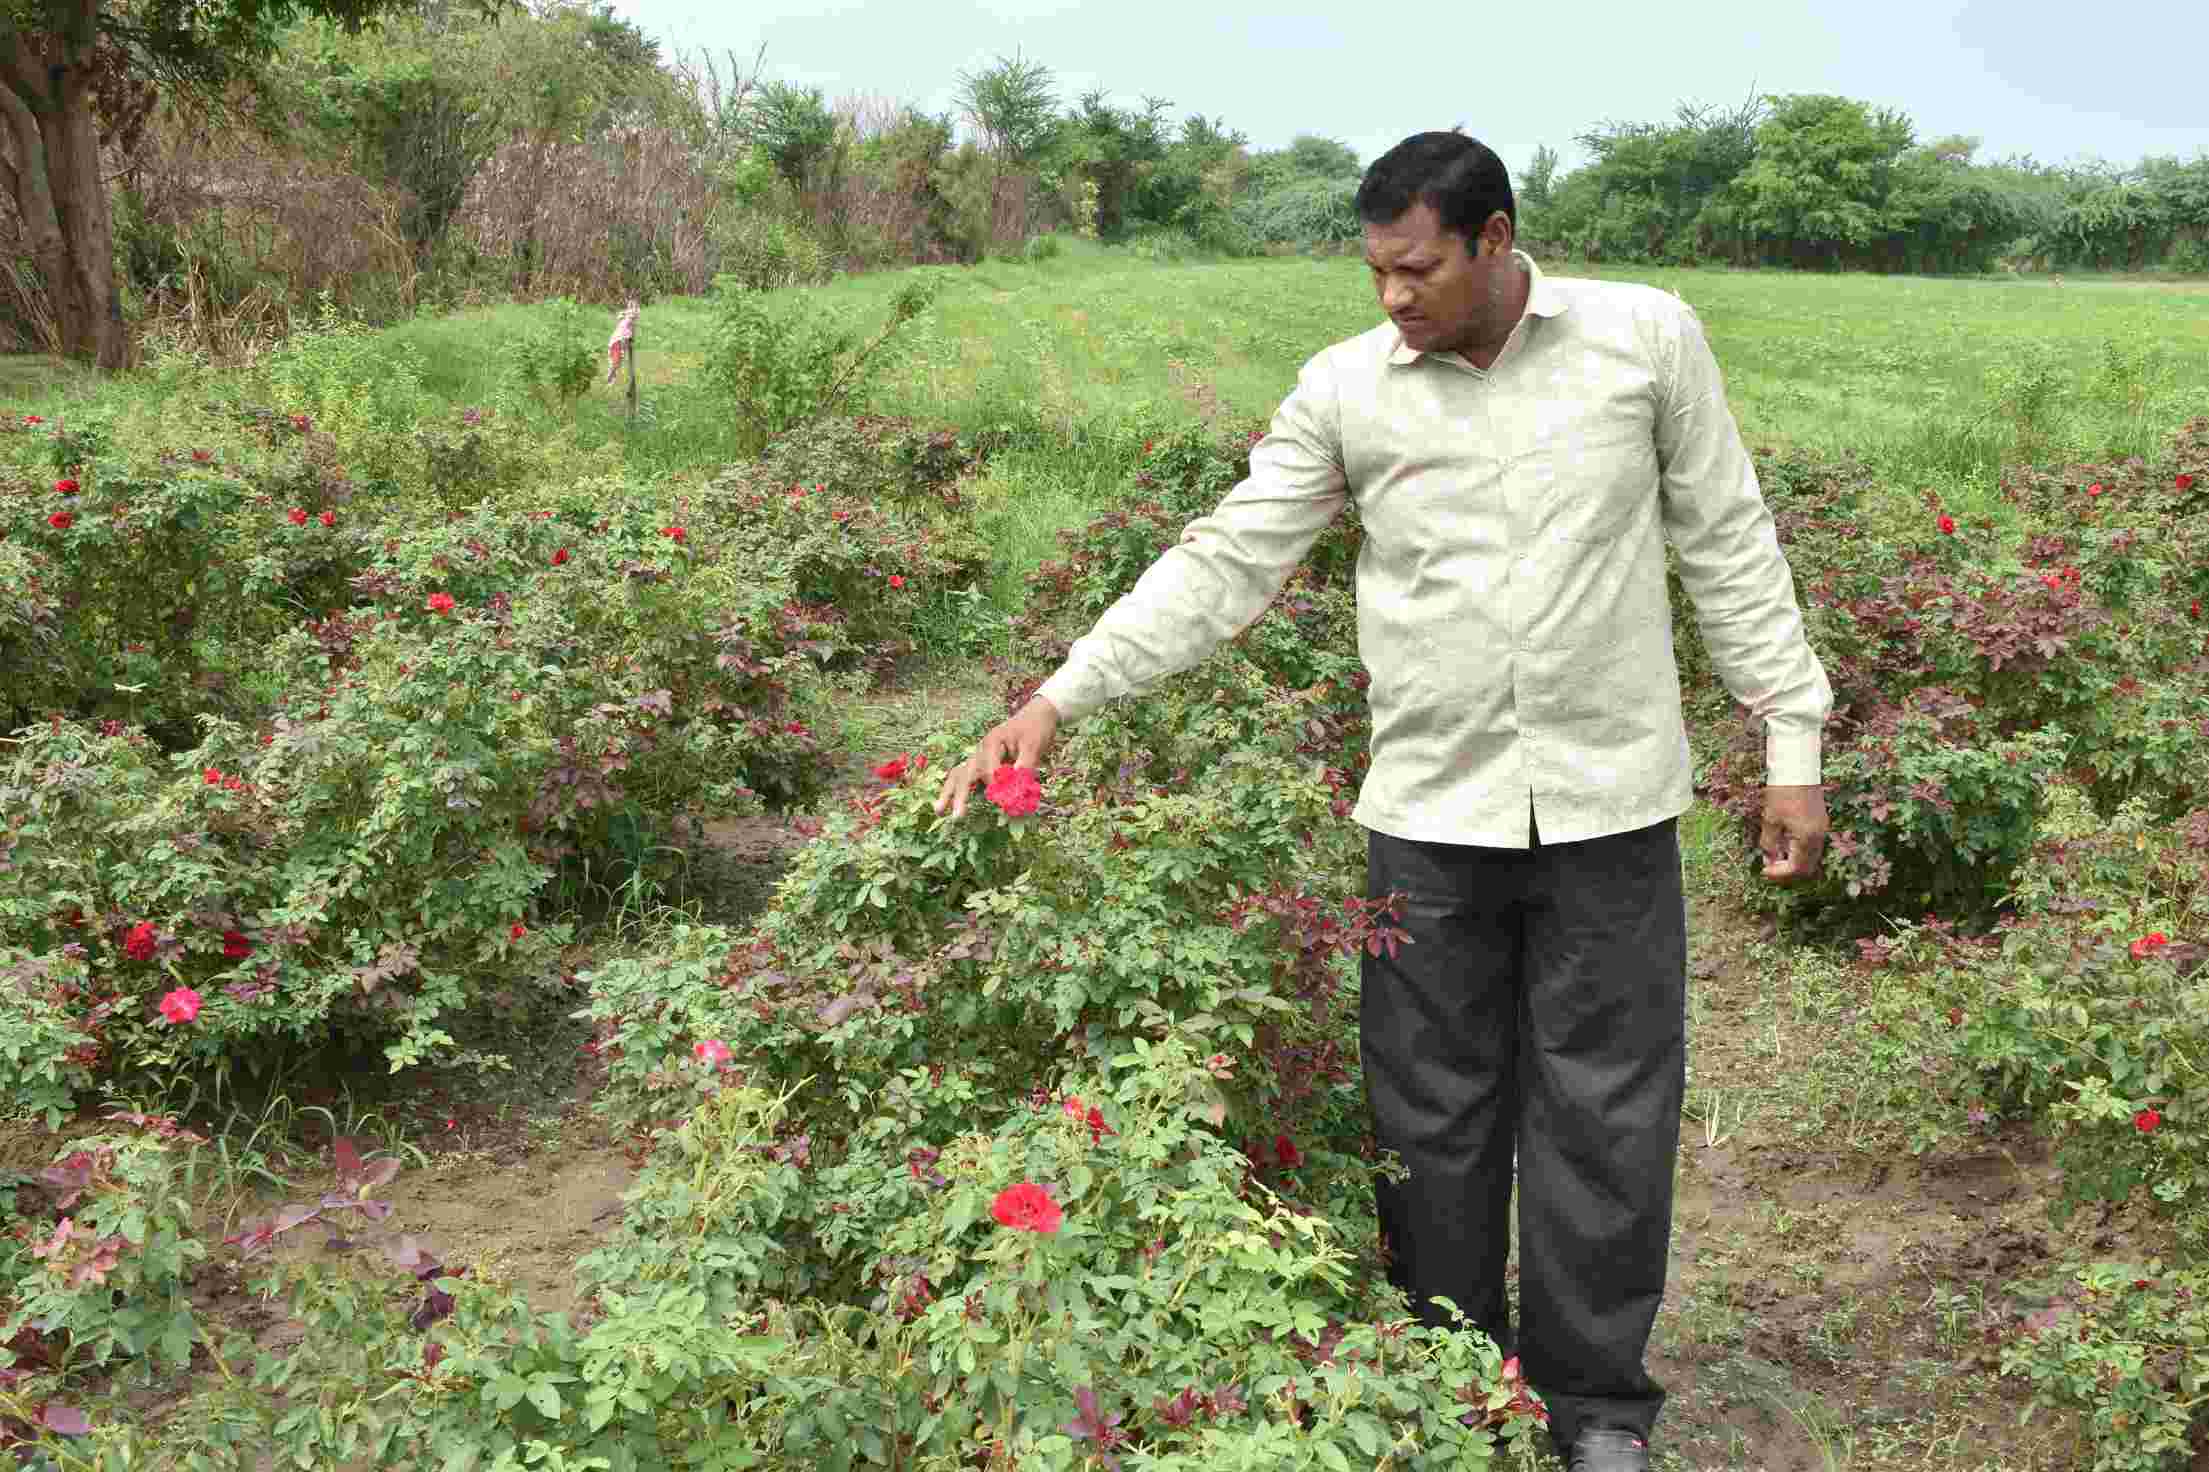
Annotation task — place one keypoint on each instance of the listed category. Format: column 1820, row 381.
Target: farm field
column 680, row 712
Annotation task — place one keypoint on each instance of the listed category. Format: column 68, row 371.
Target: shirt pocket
column 1589, row 481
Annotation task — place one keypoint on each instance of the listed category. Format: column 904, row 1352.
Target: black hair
column 1460, row 178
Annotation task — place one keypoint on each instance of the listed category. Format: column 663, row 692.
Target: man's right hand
column 1020, row 742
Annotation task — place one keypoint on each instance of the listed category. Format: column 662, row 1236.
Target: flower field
column 387, row 734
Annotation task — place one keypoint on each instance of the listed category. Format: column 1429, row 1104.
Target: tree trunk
column 27, row 181
column 54, row 173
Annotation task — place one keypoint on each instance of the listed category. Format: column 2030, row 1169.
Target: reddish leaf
column 65, row 1420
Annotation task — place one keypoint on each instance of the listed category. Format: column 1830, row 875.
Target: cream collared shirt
column 1511, row 588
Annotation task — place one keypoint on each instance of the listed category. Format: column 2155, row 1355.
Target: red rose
column 440, row 603
column 1015, row 790
column 60, row 521
column 1947, row 525
column 201, row 457
column 2094, row 489
column 1098, row 1129
column 518, row 931
column 560, row 558
column 298, row 515
column 235, row 945
column 65, row 487
column 2184, row 482
column 212, row 776
column 181, row 1005
column 676, row 533
column 329, row 518
column 712, row 1051
column 140, row 943
column 892, row 769
column 2147, row 945
column 32, row 419
column 896, row 581
column 1285, row 1151
column 1026, row 1207
column 2146, row 1121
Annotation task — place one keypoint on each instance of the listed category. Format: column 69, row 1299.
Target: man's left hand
column 1793, row 839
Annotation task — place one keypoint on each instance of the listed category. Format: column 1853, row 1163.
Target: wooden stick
column 622, row 348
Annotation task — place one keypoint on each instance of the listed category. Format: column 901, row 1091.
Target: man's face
column 1443, row 293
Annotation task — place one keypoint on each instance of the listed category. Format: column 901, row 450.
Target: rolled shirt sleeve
column 1226, row 568
column 1731, row 563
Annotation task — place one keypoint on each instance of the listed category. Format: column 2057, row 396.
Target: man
column 1519, row 448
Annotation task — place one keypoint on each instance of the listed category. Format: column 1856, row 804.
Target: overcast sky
column 2059, row 82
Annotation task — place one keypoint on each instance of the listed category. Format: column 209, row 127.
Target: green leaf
column 545, row 1396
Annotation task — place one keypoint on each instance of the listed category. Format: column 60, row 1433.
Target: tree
column 1013, row 105
column 1315, row 157
column 77, row 73
column 1307, row 157
column 795, row 128
column 1115, row 148
column 1649, row 182
column 1541, row 177
column 1818, row 187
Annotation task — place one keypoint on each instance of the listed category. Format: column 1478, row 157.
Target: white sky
column 2027, row 76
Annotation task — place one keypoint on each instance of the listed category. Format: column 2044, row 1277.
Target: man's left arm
column 1731, row 564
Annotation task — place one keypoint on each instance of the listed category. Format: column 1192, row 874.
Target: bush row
column 310, row 757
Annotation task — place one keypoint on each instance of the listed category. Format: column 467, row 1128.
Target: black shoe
column 1608, row 1450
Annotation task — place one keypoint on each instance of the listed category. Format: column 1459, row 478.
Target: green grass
column 1927, row 379
column 1073, row 361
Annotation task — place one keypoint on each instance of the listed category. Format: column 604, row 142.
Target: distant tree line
column 1831, row 183
column 257, row 157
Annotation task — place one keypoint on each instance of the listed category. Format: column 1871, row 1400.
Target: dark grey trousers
column 1541, row 1006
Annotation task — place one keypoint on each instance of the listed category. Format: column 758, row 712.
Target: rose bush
column 474, row 703
column 1964, row 683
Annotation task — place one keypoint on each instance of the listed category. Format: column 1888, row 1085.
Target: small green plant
column 776, row 365
column 2030, row 393
column 553, row 360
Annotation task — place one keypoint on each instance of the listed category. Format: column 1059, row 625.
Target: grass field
column 1934, row 381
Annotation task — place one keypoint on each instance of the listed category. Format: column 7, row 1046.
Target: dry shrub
column 622, row 214
column 225, row 233
column 27, row 321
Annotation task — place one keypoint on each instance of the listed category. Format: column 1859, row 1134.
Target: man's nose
column 1395, row 296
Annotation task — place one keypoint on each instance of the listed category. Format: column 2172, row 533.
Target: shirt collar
column 1543, row 299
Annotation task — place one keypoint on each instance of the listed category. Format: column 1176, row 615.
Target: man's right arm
column 1218, row 579
column 1202, row 591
